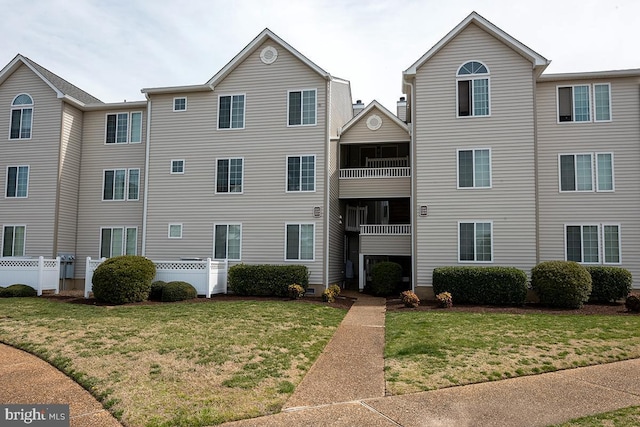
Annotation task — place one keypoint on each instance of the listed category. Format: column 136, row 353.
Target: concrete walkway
column 26, row 379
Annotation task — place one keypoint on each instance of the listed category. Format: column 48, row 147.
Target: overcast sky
column 114, row 48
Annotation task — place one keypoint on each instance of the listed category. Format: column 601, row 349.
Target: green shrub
column 564, row 284
column 410, row 299
column 385, row 278
column 633, row 303
column 17, row 291
column 178, row 291
column 609, row 284
column 156, row 290
column 482, row 285
column 266, row 279
column 123, row 279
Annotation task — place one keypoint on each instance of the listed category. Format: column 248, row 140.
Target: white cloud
column 113, row 49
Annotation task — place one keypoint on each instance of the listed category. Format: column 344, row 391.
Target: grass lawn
column 621, row 418
column 436, row 349
column 180, row 364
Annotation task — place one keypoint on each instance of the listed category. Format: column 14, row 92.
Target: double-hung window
column 593, row 243
column 21, row 117
column 227, row 244
column 301, row 173
column 116, row 241
column 121, row 184
column 473, row 89
column 302, row 107
column 475, row 241
column 231, row 112
column 229, row 176
column 299, row 241
column 474, row 168
column 180, row 104
column 123, row 128
column 578, row 171
column 17, row 181
column 13, row 239
column 177, row 166
column 575, row 103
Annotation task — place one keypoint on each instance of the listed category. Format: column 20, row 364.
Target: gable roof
column 60, row 86
column 538, row 60
column 373, row 104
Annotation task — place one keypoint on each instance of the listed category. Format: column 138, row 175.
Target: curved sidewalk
column 345, row 387
column 26, row 379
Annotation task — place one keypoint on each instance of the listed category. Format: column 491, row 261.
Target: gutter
column 145, row 207
column 327, row 191
column 414, row 206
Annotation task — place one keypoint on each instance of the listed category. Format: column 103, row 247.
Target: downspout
column 414, row 205
column 145, row 207
column 327, row 161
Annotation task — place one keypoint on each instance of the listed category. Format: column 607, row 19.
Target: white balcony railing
column 359, row 173
column 385, row 229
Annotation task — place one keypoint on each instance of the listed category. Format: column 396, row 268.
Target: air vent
column 269, row 55
column 374, row 122
column 317, row 212
column 423, row 210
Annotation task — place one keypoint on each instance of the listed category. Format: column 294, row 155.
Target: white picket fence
column 40, row 273
column 207, row 276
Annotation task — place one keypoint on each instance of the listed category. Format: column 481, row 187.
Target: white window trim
column 126, row 185
column 171, row 166
column 474, row 222
column 286, row 174
column 21, row 107
column 128, row 113
column 227, row 240
column 299, row 242
column 474, row 187
column 315, row 118
column 6, row 185
column 594, row 172
column 174, row 104
column 601, row 257
column 613, row 172
column 594, row 103
column 169, row 236
column 14, row 240
column 464, row 77
column 244, row 112
column 228, row 177
column 124, row 237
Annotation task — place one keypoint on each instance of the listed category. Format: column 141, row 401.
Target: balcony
column 385, row 239
column 381, row 177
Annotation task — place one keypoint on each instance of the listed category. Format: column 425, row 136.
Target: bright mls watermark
column 34, row 415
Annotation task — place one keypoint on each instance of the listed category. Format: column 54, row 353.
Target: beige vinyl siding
column 341, row 106
column 385, row 245
column 265, row 142
column 376, row 188
column 621, row 136
column 359, row 133
column 40, row 152
column 93, row 212
column 69, row 173
column 508, row 132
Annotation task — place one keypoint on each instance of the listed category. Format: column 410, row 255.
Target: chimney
column 402, row 109
column 357, row 107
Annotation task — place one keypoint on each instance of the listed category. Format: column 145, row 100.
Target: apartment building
column 487, row 161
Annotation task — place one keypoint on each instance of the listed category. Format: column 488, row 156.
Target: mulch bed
column 531, row 308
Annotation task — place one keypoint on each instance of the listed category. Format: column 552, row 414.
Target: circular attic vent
column 269, row 55
column 374, row 122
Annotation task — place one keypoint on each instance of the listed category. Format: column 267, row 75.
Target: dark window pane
column 108, row 185
column 7, row 244
column 565, row 104
column 111, row 129
column 465, row 168
column 12, row 181
column 567, row 173
column 221, row 242
column 15, row 123
column 293, row 241
column 293, row 174
column 574, row 243
column 224, row 112
column 464, row 97
column 105, row 243
column 467, row 246
column 295, row 108
column 222, row 180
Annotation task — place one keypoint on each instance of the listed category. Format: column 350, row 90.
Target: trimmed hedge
column 482, row 285
column 609, row 284
column 385, row 278
column 266, row 279
column 123, row 279
column 155, row 294
column 17, row 291
column 178, row 291
column 633, row 303
column 565, row 284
